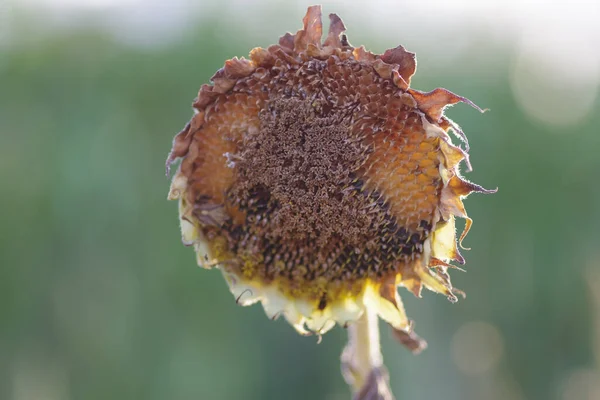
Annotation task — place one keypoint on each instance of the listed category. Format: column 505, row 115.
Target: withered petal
column 336, row 28
column 434, row 102
column 278, row 52
column 444, row 242
column 312, row 31
column 413, row 284
column 389, row 292
column 206, row 96
column 406, row 61
column 362, row 54
column 223, row 85
column 262, row 57
column 287, row 41
column 468, row 223
column 236, row 68
column 181, row 144
column 453, row 155
column 462, row 187
column 437, row 263
column 446, row 123
column 410, row 339
column 384, row 69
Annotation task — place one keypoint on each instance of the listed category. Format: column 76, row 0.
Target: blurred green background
column 100, row 300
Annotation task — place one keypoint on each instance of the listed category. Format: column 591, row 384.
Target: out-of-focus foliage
column 99, row 299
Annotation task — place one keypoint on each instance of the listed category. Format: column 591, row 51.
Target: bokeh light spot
column 582, row 384
column 555, row 76
column 477, row 347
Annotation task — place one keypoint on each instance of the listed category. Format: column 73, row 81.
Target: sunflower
column 318, row 181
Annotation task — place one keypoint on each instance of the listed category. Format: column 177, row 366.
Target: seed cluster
column 307, row 211
column 319, row 169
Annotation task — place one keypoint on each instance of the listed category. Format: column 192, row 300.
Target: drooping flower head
column 318, row 181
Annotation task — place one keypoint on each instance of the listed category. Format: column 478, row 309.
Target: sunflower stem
column 362, row 361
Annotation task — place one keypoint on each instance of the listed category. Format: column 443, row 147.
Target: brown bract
column 318, row 181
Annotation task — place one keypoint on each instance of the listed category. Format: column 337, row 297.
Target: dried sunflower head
column 318, row 181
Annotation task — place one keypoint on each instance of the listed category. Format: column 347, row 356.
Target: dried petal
column 312, row 31
column 336, row 28
column 410, row 340
column 286, row 42
column 434, row 102
column 406, row 61
column 238, row 68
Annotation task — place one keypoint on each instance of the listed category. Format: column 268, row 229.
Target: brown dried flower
column 318, row 181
